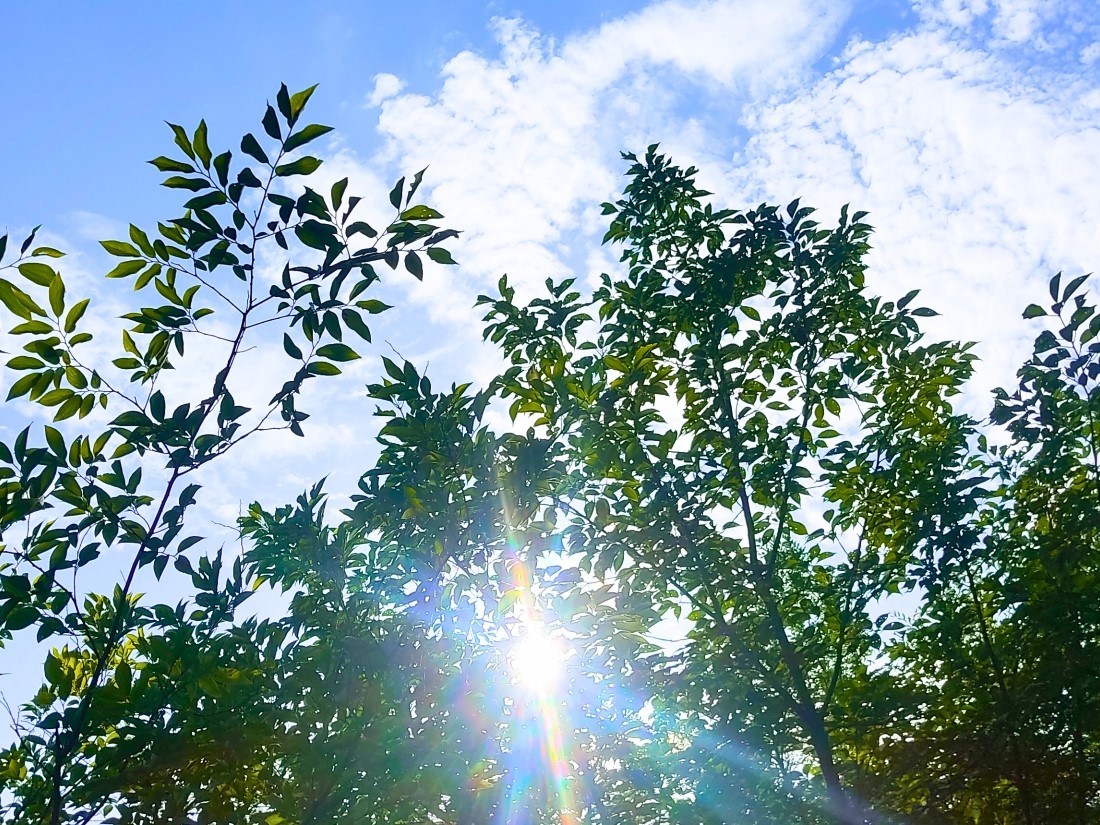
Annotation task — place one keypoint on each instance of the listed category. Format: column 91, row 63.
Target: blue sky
column 91, row 84
column 969, row 128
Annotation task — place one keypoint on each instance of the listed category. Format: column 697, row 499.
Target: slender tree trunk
column 840, row 802
column 810, row 715
column 1021, row 780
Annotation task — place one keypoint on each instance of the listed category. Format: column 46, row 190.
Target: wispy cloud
column 523, row 145
column 975, row 163
column 979, row 177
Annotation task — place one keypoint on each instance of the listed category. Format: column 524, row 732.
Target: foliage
column 126, row 674
column 737, row 366
column 730, row 464
column 1003, row 654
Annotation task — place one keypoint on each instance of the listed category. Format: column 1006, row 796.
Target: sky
column 969, row 129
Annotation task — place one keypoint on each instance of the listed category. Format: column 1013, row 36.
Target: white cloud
column 523, row 145
column 977, row 170
column 1012, row 20
column 518, row 145
column 1047, row 26
column 1017, row 20
column 92, row 227
column 980, row 179
column 386, row 85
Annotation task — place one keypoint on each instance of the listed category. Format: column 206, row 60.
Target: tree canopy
column 740, row 557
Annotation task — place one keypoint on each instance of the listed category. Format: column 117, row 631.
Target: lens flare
column 538, row 660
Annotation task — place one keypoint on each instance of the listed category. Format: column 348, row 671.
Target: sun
column 538, row 660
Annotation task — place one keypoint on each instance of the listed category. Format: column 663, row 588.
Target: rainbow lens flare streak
column 540, row 753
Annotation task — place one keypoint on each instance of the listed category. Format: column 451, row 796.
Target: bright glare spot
column 538, row 660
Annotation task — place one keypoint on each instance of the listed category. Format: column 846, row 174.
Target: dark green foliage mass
column 788, row 579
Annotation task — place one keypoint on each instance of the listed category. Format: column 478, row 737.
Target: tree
column 738, row 366
column 1002, row 654
column 731, row 437
column 128, row 675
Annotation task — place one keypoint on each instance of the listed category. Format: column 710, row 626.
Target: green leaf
column 29, row 240
column 40, row 274
column 1034, row 311
column 124, row 677
column 298, row 102
column 210, row 199
column 182, row 141
column 353, row 321
column 32, row 328
column 925, row 312
column 440, row 255
column 373, row 306
column 246, row 177
column 55, row 397
column 282, row 100
column 202, row 148
column 361, row 228
column 55, row 440
column 131, row 418
column 251, row 147
column 290, row 347
column 309, row 133
column 165, row 164
column 221, row 167
column 55, row 673
column 18, row 301
column 22, row 386
column 271, row 124
column 417, row 178
column 322, row 368
column 337, row 352
column 22, row 617
column 57, row 296
column 145, row 277
column 337, row 192
column 414, row 265
column 120, row 249
column 420, row 213
column 1072, row 287
column 908, row 298
column 47, row 251
column 507, row 601
column 24, row 362
column 141, row 240
column 303, row 166
column 395, row 193
column 156, row 405
column 193, row 184
column 315, row 234
column 76, row 378
column 188, row 543
column 126, row 268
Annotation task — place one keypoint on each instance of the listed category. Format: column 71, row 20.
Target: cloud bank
column 966, row 137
